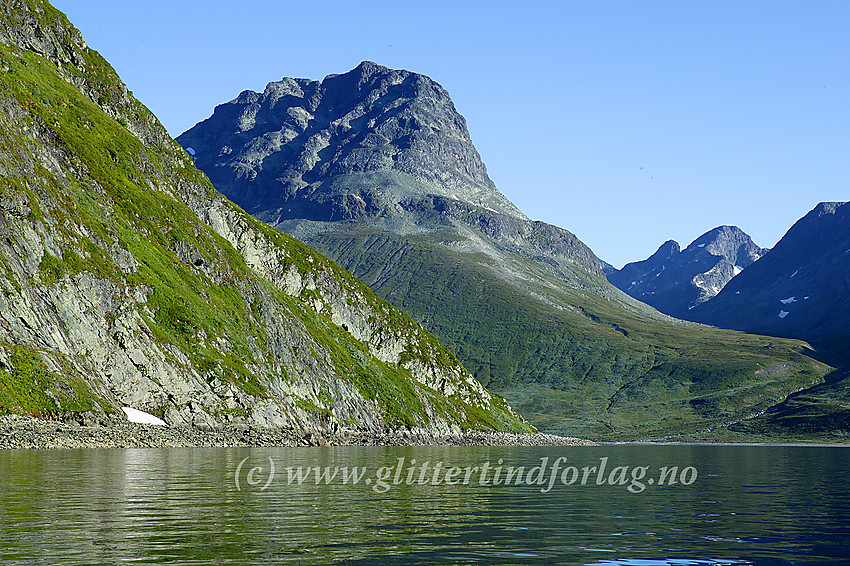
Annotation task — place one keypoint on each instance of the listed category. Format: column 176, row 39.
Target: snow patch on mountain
column 141, row 417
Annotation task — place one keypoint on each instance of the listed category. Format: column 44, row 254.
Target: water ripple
column 180, row 505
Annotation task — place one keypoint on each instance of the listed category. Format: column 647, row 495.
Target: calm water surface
column 746, row 505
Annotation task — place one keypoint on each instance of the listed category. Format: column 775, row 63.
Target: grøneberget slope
column 127, row 280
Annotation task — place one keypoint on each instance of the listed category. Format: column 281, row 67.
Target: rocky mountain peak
column 354, row 144
column 674, row 280
column 361, row 74
column 666, row 251
column 824, row 228
column 799, row 289
column 827, row 208
column 729, row 242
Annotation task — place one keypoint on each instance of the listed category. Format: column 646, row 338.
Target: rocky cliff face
column 801, row 288
column 128, row 280
column 675, row 281
column 375, row 168
column 374, row 147
column 274, row 148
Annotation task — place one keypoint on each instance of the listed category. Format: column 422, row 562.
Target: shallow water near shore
column 760, row 505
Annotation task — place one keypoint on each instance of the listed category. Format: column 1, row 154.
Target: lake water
column 729, row 505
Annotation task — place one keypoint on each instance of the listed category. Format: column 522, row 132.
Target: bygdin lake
column 741, row 505
column 410, row 472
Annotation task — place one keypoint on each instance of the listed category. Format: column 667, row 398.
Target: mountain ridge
column 674, row 280
column 804, row 276
column 525, row 305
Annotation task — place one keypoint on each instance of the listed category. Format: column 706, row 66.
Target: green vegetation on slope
column 201, row 297
column 397, row 193
column 29, row 387
column 189, row 309
column 820, row 413
column 571, row 361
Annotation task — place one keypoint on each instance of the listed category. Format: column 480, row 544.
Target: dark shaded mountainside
column 801, row 289
column 128, row 280
column 376, row 169
column 674, row 280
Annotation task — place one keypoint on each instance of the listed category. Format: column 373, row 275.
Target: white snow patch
column 736, row 270
column 141, row 417
column 795, row 273
column 788, row 300
column 190, row 151
column 783, row 314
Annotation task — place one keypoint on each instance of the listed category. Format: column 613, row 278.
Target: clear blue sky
column 628, row 123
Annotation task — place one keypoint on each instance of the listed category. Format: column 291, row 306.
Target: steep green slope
column 128, row 280
column 574, row 361
column 376, row 169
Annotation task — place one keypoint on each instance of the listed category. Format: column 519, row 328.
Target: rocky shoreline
column 24, row 432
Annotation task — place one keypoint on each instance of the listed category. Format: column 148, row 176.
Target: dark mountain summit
column 376, row 169
column 800, row 289
column 375, row 147
column 674, row 281
column 298, row 132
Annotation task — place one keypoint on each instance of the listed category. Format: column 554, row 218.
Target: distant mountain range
column 800, row 289
column 376, row 169
column 674, row 280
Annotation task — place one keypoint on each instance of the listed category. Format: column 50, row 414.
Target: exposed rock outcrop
column 129, row 281
column 675, row 280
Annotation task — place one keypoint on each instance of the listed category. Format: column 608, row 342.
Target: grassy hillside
column 116, row 291
column 573, row 361
column 821, row 413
